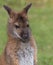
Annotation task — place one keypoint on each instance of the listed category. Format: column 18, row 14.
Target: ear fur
column 27, row 8
column 8, row 9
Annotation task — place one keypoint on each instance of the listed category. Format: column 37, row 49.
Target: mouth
column 23, row 38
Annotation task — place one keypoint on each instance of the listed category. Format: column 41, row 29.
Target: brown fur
column 9, row 57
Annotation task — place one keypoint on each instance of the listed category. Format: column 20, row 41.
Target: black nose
column 25, row 35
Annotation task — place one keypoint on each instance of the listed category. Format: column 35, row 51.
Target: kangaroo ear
column 27, row 8
column 8, row 9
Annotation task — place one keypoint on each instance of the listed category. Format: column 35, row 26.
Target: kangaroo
column 21, row 47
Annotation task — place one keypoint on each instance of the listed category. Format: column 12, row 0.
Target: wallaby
column 21, row 48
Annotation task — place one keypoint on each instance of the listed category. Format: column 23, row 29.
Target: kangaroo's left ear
column 27, row 8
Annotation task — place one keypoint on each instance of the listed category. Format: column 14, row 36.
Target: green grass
column 41, row 22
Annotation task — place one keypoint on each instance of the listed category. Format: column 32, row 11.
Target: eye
column 28, row 25
column 17, row 26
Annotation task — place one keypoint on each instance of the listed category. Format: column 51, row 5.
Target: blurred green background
column 41, row 22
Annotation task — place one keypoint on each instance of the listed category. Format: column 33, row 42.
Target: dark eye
column 28, row 25
column 17, row 26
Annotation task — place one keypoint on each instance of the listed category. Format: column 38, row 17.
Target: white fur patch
column 26, row 54
column 17, row 35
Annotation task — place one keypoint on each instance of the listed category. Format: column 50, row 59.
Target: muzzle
column 25, row 36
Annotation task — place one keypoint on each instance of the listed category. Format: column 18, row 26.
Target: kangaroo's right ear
column 8, row 9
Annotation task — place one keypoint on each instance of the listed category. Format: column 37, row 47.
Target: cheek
column 18, row 31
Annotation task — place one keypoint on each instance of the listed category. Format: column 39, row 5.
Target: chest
column 26, row 54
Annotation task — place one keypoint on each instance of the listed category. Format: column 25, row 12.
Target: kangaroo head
column 18, row 26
